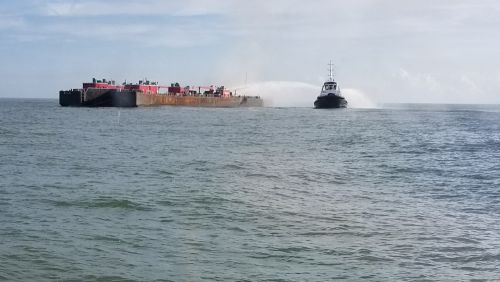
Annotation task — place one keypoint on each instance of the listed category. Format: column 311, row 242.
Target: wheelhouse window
column 330, row 87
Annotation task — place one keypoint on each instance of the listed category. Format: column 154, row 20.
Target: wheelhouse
column 329, row 86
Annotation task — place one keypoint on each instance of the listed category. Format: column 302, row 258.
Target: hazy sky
column 444, row 51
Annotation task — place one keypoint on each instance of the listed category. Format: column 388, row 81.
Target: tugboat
column 330, row 96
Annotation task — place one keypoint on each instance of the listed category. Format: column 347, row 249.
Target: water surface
column 406, row 193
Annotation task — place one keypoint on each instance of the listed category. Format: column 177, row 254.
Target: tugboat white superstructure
column 330, row 96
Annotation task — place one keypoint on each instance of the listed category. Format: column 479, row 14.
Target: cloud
column 179, row 34
column 145, row 8
column 268, row 21
column 470, row 85
column 148, row 23
column 11, row 22
column 407, row 51
column 445, row 87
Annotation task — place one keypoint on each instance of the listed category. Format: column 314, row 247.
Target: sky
column 445, row 51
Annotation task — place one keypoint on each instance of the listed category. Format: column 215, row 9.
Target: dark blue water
column 406, row 193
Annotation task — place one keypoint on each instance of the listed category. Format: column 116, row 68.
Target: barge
column 106, row 93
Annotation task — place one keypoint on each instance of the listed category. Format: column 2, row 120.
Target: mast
column 330, row 70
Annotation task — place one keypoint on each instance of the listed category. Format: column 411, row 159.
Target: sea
column 406, row 192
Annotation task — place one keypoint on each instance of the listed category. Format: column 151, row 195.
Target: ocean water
column 403, row 193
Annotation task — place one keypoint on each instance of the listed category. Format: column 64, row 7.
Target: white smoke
column 357, row 99
column 299, row 94
column 283, row 93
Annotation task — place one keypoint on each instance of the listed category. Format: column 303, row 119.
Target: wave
column 102, row 202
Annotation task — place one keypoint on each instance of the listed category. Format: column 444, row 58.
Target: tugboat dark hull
column 330, row 102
